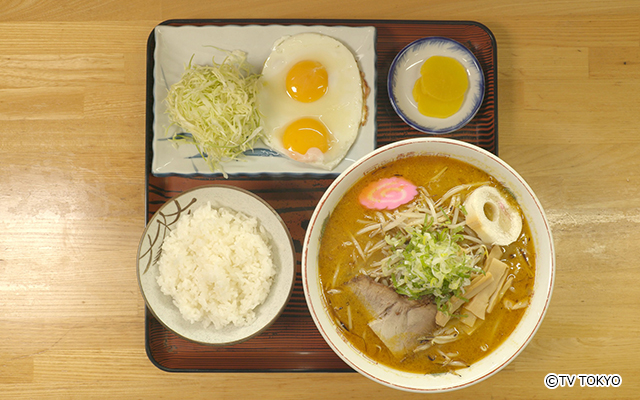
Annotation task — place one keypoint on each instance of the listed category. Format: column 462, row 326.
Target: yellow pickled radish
column 444, row 78
column 440, row 90
column 432, row 107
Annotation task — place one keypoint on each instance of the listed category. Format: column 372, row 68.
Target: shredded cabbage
column 216, row 107
column 430, row 261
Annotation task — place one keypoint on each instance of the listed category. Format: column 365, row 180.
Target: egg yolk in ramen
column 441, row 87
column 307, row 81
column 307, row 133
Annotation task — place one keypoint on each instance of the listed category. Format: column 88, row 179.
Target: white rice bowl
column 216, row 265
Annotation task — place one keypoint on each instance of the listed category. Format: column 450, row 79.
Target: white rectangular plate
column 175, row 45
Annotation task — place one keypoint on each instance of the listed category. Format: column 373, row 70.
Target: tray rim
column 150, row 47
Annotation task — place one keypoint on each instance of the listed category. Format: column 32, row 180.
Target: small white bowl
column 405, row 70
column 238, row 200
column 542, row 288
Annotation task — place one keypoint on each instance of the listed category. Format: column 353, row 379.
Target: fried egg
column 311, row 99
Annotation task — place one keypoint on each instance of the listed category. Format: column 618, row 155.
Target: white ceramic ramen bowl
column 532, row 318
column 405, row 70
column 165, row 219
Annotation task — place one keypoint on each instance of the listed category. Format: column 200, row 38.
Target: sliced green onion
column 430, row 261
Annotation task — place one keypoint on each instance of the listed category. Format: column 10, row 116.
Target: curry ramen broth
column 338, row 264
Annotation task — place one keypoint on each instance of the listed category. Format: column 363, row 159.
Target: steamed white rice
column 217, row 266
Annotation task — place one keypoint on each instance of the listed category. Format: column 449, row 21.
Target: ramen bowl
column 516, row 341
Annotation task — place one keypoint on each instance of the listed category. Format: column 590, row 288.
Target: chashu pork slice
column 398, row 321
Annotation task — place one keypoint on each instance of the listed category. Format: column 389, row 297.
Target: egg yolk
column 307, row 81
column 307, row 133
column 441, row 87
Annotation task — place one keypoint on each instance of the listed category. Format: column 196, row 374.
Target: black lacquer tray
column 293, row 343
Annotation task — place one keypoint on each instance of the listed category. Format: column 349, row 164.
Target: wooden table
column 72, row 184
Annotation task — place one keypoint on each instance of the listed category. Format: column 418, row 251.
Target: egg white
column 340, row 109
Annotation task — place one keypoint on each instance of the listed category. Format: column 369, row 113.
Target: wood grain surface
column 72, row 192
